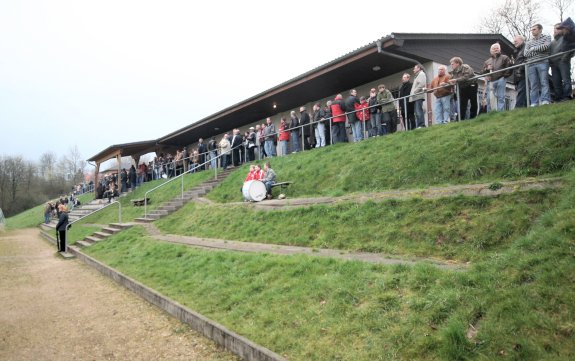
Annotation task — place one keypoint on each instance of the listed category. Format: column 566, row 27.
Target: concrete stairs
column 193, row 194
column 101, row 235
column 77, row 213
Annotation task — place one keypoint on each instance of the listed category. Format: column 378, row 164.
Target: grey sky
column 97, row 73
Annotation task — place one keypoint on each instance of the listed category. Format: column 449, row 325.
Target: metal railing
column 181, row 177
column 96, row 211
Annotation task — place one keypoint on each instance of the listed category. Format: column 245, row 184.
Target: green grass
column 458, row 228
column 518, row 292
column 495, row 147
column 521, row 300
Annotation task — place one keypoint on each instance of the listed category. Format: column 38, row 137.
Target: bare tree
column 73, row 165
column 47, row 164
column 561, row 6
column 513, row 17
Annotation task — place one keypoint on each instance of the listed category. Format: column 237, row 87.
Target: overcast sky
column 97, row 73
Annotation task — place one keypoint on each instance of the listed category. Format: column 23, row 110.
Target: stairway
column 104, row 233
column 77, row 213
column 193, row 194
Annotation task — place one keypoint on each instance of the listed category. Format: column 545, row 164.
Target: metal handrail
column 181, row 177
column 88, row 215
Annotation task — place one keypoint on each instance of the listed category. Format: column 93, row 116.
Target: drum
column 254, row 190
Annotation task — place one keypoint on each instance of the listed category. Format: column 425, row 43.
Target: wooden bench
column 282, row 185
column 140, row 202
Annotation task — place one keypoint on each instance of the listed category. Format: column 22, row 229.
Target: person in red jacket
column 362, row 113
column 338, row 121
column 284, row 136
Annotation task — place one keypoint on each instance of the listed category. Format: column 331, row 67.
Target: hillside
column 513, row 300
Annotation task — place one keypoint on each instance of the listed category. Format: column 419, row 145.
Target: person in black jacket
column 304, row 121
column 202, row 150
column 404, row 91
column 354, row 123
column 519, row 73
column 62, row 228
column 236, row 143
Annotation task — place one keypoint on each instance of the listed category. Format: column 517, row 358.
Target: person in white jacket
column 417, row 95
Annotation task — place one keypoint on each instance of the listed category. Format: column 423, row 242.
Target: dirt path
column 53, row 309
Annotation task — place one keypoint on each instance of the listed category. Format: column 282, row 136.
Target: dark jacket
column 497, row 62
column 304, row 121
column 350, row 103
column 62, row 222
column 317, row 115
column 132, row 175
column 404, row 91
column 519, row 73
column 294, row 123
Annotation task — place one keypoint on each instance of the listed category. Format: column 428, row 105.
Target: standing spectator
column 270, row 135
column 519, row 73
column 295, row 131
column 374, row 114
column 236, row 143
column 328, row 120
column 338, row 122
column 261, row 137
column 62, row 228
column 202, row 150
column 405, row 106
column 461, row 75
column 496, row 62
column 123, row 181
column 536, row 49
column 442, row 104
column 350, row 103
column 388, row 110
column 416, row 95
column 225, row 150
column 133, row 177
column 251, row 144
column 284, row 136
column 304, row 121
column 213, row 149
column 563, row 40
column 259, row 145
column 362, row 113
column 47, row 212
column 319, row 125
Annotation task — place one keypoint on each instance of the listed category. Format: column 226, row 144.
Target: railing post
column 363, row 126
column 330, row 132
column 458, row 102
column 405, row 115
column 302, row 145
column 182, row 177
column 527, row 94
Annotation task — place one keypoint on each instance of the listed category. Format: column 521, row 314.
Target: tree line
column 25, row 184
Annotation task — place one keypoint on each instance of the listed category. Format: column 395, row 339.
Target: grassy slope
column 519, row 293
column 498, row 146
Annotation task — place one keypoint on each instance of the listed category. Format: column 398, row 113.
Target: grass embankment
column 516, row 302
column 520, row 301
column 498, row 146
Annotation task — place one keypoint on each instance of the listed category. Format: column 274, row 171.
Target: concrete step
column 91, row 239
column 167, row 208
column 158, row 212
column 111, row 230
column 145, row 220
column 83, row 244
column 101, row 235
column 121, row 225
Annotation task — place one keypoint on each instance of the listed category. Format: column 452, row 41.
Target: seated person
column 269, row 179
column 251, row 173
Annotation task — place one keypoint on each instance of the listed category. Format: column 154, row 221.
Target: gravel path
column 55, row 309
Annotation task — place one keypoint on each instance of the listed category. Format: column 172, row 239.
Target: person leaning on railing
column 462, row 75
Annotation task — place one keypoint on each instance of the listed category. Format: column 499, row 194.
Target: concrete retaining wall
column 231, row 341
